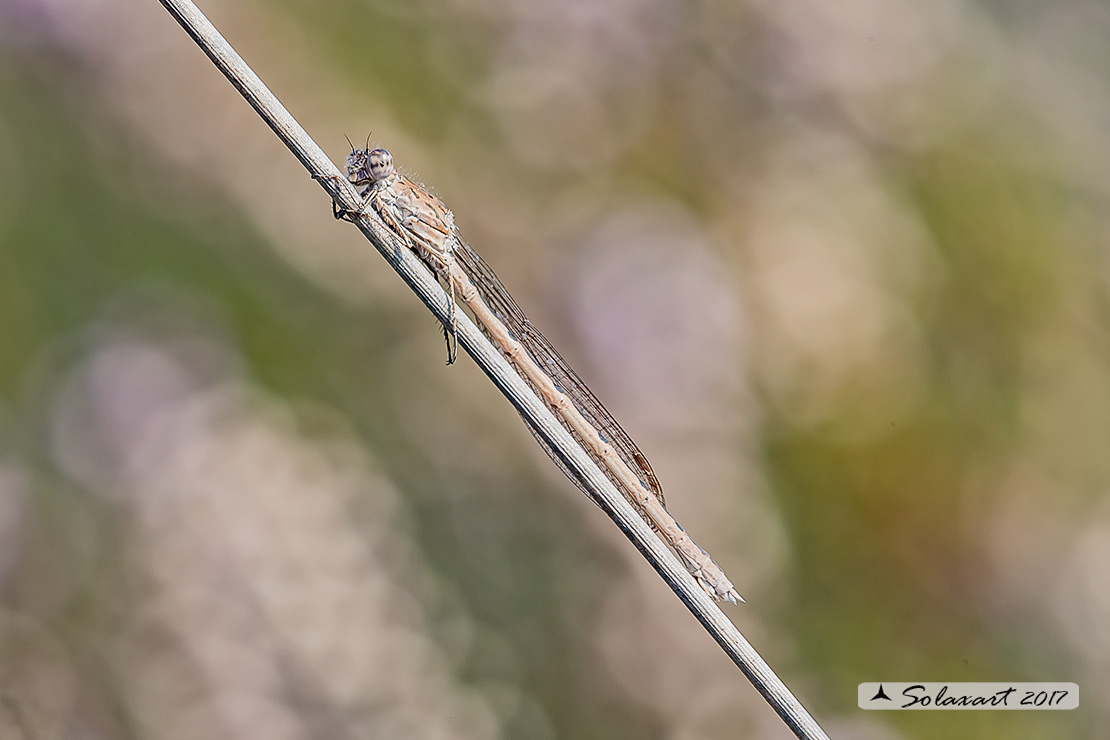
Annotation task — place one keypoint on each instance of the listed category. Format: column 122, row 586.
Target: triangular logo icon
column 881, row 695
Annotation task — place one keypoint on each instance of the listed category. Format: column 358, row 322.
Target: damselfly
column 423, row 223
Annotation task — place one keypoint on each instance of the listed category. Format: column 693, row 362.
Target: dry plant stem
column 490, row 359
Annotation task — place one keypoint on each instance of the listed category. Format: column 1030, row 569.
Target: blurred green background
column 840, row 269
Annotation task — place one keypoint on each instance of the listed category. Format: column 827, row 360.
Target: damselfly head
column 356, row 166
column 380, row 164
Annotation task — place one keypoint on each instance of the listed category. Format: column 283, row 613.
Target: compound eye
column 381, row 164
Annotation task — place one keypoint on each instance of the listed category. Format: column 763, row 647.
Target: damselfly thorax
column 419, row 218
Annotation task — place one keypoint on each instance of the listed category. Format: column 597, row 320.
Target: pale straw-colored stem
column 499, row 370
